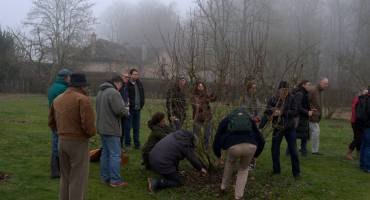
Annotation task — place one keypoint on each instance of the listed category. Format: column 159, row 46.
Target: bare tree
column 61, row 25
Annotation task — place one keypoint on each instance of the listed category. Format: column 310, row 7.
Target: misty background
column 224, row 42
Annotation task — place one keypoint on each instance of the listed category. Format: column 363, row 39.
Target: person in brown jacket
column 72, row 116
column 316, row 106
column 202, row 113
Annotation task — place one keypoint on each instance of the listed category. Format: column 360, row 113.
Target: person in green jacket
column 58, row 87
column 159, row 129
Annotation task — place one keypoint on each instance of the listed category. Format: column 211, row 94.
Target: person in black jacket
column 137, row 101
column 166, row 155
column 304, row 112
column 243, row 143
column 282, row 109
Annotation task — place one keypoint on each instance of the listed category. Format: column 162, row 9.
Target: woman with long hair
column 202, row 113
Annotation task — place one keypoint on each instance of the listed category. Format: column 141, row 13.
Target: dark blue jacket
column 225, row 139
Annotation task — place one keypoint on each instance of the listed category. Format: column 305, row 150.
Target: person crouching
column 159, row 129
column 166, row 156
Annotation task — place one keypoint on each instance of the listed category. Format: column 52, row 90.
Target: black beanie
column 283, row 84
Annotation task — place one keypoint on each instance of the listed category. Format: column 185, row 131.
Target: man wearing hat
column 71, row 115
column 176, row 103
column 282, row 109
column 58, row 87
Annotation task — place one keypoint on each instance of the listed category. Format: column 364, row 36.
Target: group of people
column 293, row 112
column 72, row 121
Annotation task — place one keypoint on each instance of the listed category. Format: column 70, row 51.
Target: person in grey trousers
column 315, row 98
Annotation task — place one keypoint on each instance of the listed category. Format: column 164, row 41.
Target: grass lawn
column 25, row 151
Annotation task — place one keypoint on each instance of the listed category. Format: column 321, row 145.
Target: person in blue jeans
column 282, row 109
column 59, row 86
column 137, row 101
column 110, row 108
column 363, row 120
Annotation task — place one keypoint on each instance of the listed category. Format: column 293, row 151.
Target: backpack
column 362, row 109
column 239, row 120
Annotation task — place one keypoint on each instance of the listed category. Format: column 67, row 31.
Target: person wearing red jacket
column 357, row 129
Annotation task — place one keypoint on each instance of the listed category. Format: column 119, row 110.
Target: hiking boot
column 119, row 184
column 152, row 185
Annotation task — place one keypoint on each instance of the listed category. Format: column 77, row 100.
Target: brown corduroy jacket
column 72, row 115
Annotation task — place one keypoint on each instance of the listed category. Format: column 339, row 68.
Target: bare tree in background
column 61, row 25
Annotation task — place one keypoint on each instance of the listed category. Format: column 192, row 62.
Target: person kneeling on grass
column 159, row 129
column 166, row 156
column 238, row 135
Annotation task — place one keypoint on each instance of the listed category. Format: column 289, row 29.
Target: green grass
column 25, row 151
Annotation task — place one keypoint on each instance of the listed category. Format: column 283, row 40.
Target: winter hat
column 64, row 72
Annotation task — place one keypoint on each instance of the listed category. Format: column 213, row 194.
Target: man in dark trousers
column 137, row 101
column 304, row 112
column 124, row 93
column 72, row 117
column 282, row 109
column 363, row 119
column 58, row 87
column 166, row 155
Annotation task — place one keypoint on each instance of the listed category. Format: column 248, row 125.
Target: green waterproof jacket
column 57, row 88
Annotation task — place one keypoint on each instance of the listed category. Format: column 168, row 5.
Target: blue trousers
column 134, row 122
column 54, row 162
column 110, row 159
column 365, row 150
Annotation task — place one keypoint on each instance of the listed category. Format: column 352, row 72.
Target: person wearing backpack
column 238, row 134
column 357, row 129
column 363, row 119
